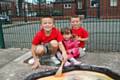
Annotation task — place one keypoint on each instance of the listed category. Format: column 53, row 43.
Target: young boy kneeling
column 48, row 38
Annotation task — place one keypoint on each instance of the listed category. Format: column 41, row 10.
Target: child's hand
column 75, row 37
column 36, row 65
column 78, row 38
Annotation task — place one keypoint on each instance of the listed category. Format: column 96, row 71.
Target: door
column 81, row 7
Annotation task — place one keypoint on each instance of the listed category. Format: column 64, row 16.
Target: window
column 80, row 4
column 113, row 2
column 67, row 5
column 93, row 3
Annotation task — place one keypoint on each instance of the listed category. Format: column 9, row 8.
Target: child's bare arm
column 62, row 49
column 36, row 63
column 81, row 39
column 33, row 52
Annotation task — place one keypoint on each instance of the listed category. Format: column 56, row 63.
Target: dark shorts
column 46, row 48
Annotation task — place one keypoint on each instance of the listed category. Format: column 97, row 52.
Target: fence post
column 2, row 45
column 98, row 9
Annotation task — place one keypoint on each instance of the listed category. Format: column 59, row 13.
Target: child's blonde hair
column 77, row 16
column 46, row 17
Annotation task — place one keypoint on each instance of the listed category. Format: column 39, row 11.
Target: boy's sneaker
column 59, row 55
column 55, row 60
column 31, row 61
column 67, row 64
column 74, row 61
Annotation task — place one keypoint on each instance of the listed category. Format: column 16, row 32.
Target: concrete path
column 8, row 55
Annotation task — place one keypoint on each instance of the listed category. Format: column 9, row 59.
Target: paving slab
column 17, row 70
column 7, row 55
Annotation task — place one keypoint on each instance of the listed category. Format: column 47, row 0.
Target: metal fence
column 104, row 28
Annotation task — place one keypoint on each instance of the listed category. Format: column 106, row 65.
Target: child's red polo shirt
column 40, row 37
column 81, row 32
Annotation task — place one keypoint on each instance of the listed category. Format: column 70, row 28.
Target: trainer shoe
column 74, row 61
column 67, row 64
column 31, row 61
column 55, row 60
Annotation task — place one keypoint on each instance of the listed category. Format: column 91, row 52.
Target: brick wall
column 66, row 11
column 106, row 11
column 71, row 11
column 91, row 11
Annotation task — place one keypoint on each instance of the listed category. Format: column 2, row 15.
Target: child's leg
column 60, row 57
column 69, row 53
column 46, row 49
column 53, row 48
column 39, row 51
column 75, row 52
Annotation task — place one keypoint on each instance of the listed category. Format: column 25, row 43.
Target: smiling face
column 67, row 36
column 66, row 32
column 75, row 22
column 47, row 23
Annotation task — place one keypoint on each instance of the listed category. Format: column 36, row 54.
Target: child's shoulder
column 82, row 28
column 41, row 31
column 55, row 29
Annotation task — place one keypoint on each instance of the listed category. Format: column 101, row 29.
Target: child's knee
column 54, row 43
column 40, row 49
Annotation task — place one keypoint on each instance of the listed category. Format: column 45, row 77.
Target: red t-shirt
column 81, row 32
column 40, row 37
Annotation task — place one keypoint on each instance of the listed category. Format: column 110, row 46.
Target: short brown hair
column 66, row 30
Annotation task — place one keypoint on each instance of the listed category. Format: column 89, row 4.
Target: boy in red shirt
column 47, row 39
column 79, row 32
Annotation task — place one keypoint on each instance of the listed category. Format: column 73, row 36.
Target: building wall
column 58, row 6
column 13, row 9
column 81, row 7
column 66, row 11
column 106, row 11
column 70, row 11
column 8, row 7
column 91, row 11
